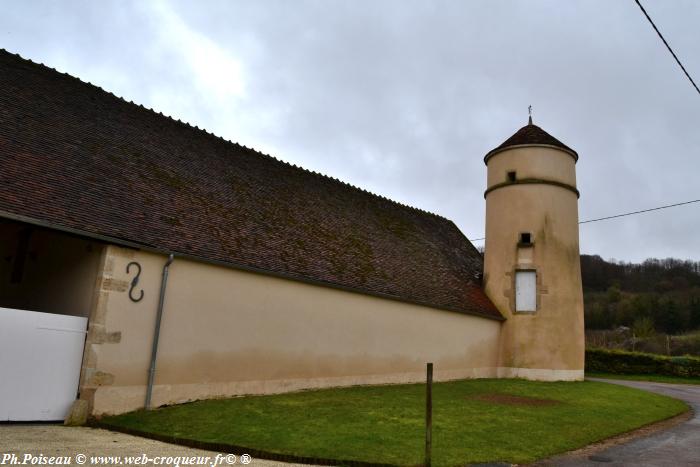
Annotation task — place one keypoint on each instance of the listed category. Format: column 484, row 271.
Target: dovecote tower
column 532, row 270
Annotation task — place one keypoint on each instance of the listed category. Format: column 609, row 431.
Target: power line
column 667, row 46
column 622, row 215
column 639, row 212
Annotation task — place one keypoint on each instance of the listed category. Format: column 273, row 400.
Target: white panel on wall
column 40, row 359
column 525, row 291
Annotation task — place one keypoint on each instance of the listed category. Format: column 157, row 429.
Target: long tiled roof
column 75, row 157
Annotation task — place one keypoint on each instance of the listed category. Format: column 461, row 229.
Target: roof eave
column 229, row 264
column 493, row 152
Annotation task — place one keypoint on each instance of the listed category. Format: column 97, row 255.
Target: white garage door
column 40, row 359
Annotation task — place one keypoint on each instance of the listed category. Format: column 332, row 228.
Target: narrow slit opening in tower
column 525, row 239
column 512, row 176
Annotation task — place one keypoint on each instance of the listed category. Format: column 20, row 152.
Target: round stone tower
column 532, row 270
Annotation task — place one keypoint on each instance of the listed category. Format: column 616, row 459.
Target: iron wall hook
column 134, row 281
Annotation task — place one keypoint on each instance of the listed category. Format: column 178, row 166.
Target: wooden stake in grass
column 428, row 414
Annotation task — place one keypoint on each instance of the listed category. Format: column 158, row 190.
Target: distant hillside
column 659, row 293
column 661, row 275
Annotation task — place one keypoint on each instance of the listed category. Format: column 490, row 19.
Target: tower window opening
column 525, row 238
column 512, row 176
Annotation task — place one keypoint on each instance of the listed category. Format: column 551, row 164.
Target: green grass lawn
column 474, row 420
column 655, row 378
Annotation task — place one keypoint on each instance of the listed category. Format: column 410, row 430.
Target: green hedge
column 622, row 362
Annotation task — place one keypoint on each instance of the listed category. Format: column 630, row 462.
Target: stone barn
column 147, row 262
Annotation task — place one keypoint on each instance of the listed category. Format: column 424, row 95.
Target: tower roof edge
column 531, row 135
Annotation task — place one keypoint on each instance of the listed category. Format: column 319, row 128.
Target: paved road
column 677, row 446
column 58, row 440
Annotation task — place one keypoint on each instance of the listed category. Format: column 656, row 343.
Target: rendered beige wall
column 532, row 162
column 547, row 344
column 229, row 332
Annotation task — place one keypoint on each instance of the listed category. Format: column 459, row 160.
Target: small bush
column 622, row 362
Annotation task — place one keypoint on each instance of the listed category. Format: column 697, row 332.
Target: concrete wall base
column 540, row 374
column 118, row 399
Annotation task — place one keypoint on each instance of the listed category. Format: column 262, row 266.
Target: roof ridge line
column 225, row 140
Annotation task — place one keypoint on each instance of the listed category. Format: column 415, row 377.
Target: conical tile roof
column 531, row 134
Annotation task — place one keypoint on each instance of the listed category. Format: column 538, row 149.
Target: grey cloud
column 405, row 97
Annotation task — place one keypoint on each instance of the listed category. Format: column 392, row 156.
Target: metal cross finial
column 529, row 113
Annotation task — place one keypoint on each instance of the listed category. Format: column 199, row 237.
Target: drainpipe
column 156, row 333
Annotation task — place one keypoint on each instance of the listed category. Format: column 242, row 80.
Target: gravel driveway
column 58, row 440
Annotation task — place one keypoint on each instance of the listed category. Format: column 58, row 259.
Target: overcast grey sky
column 404, row 98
